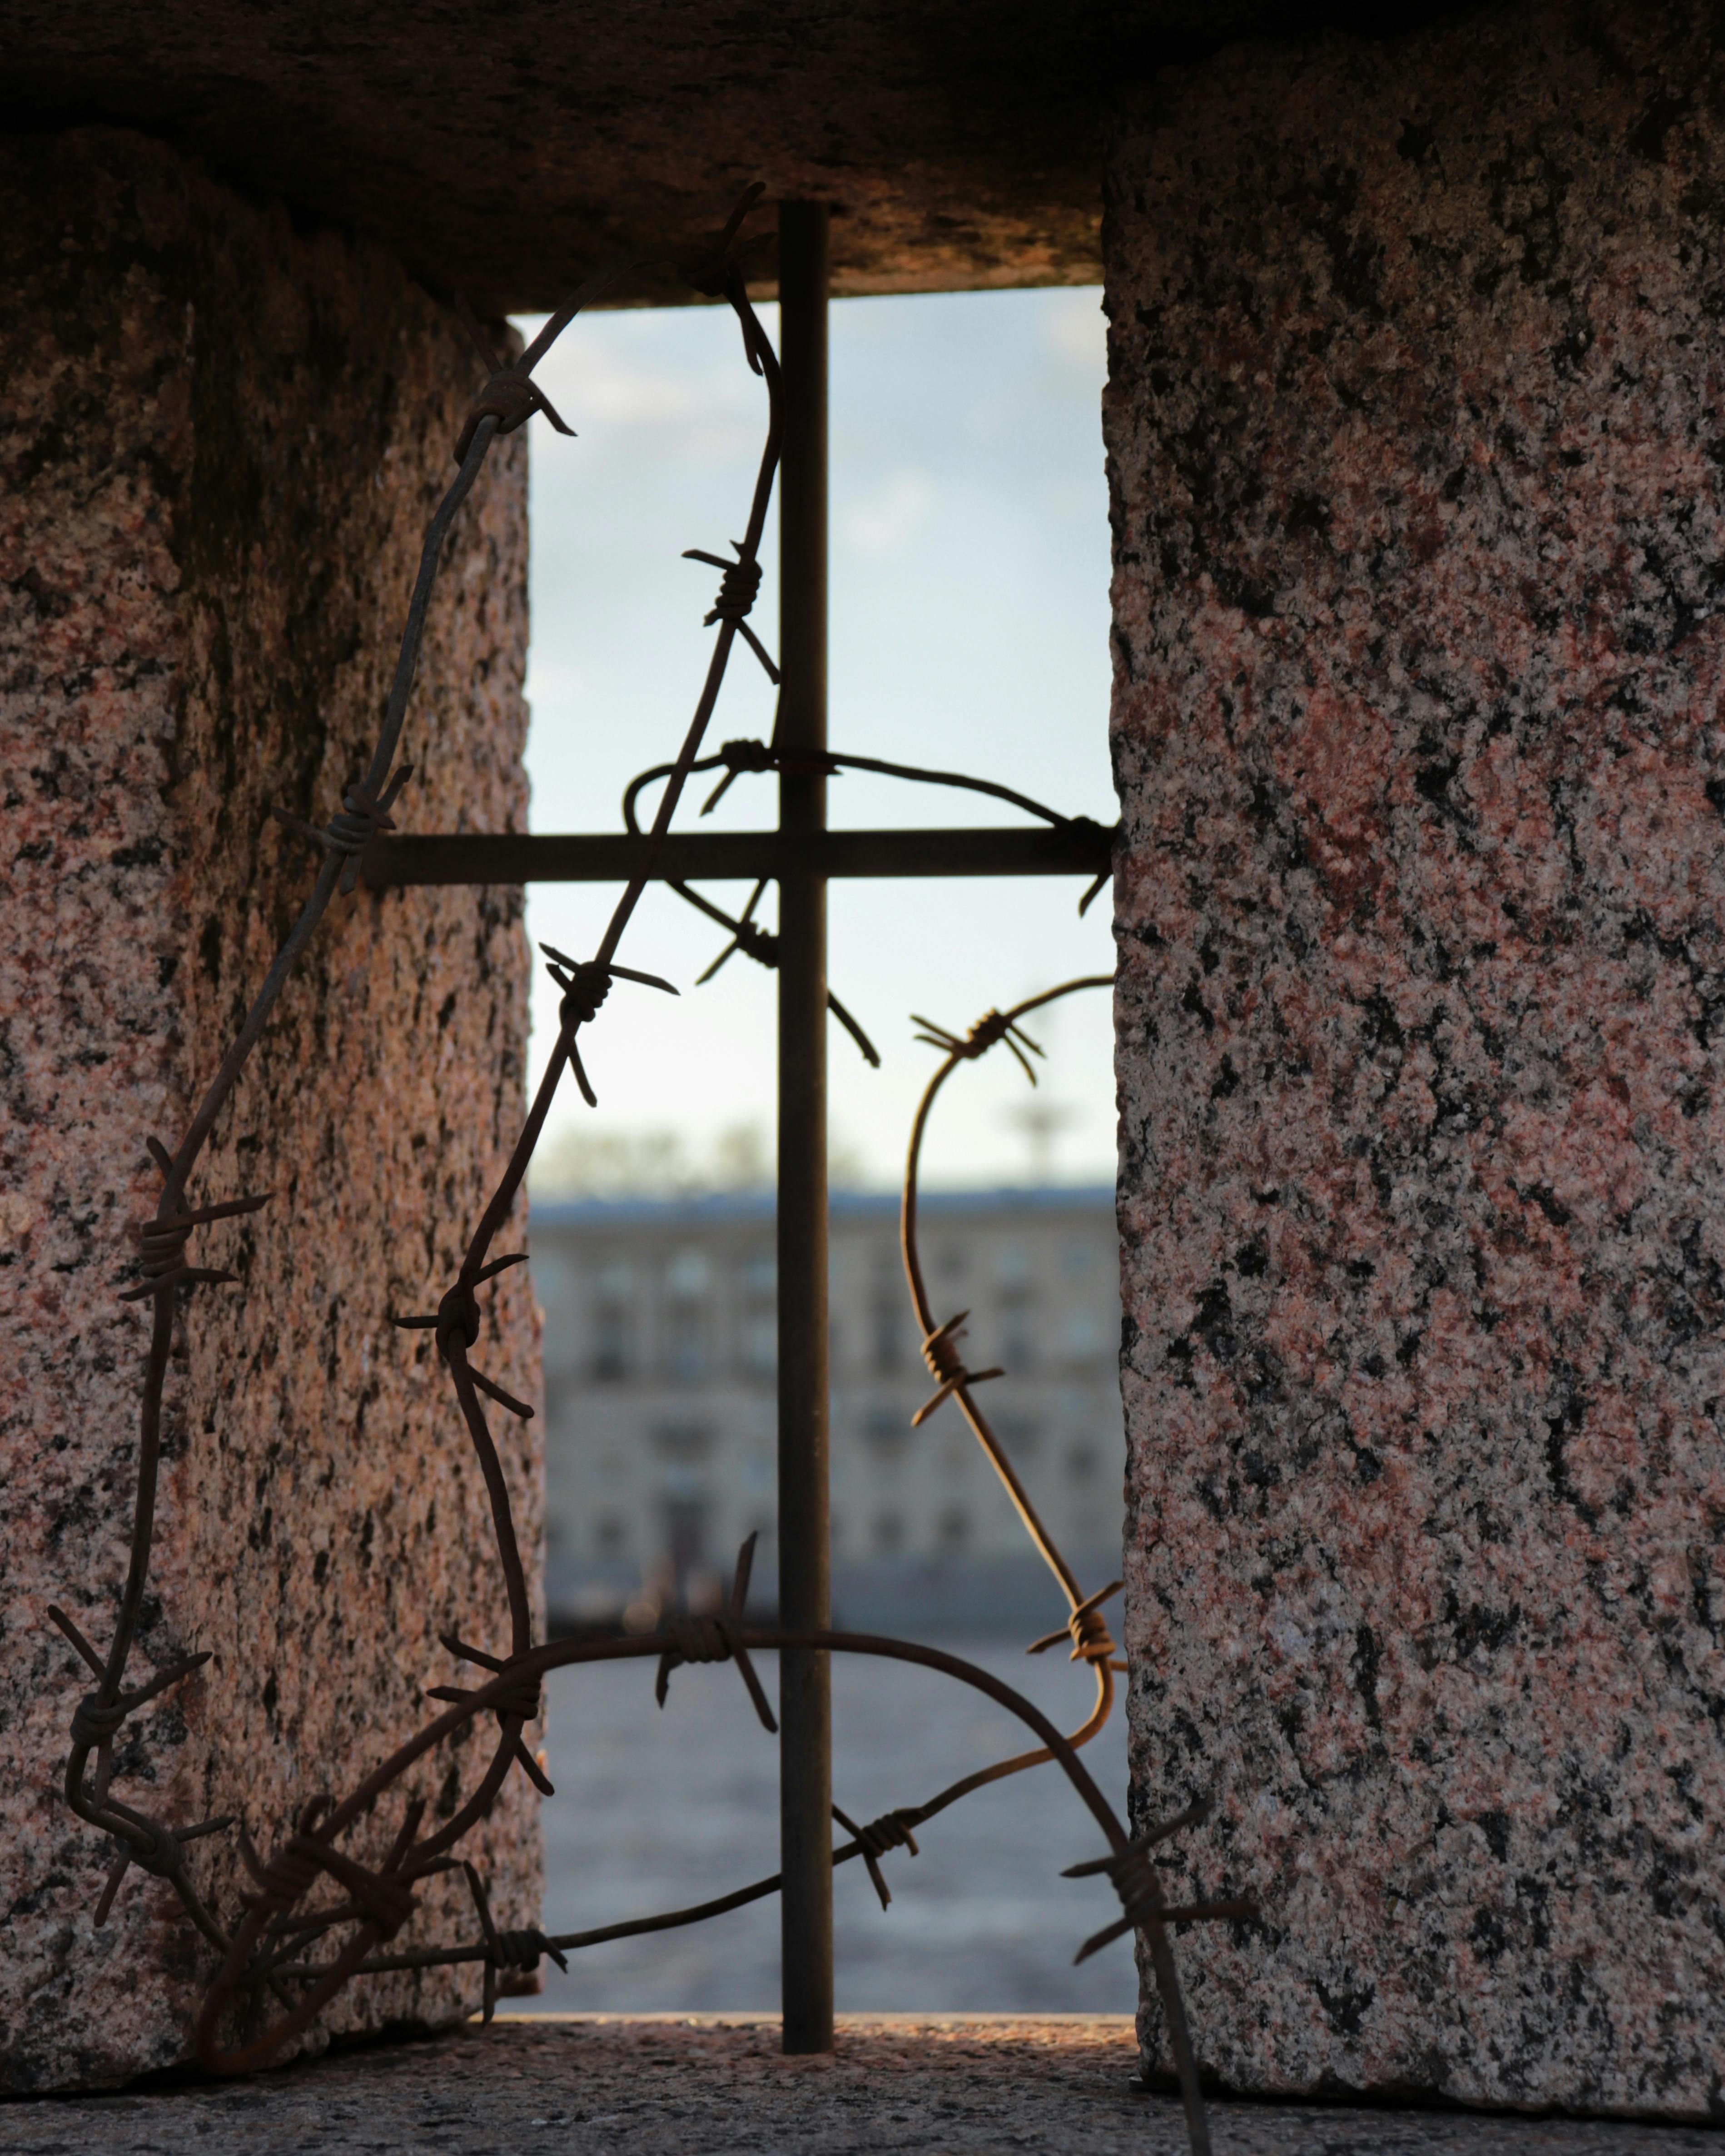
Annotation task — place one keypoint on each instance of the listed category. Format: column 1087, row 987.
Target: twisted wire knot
column 506, row 1950
column 96, row 1721
column 585, row 983
column 946, row 1366
column 757, row 757
column 157, row 1849
column 519, row 1701
column 162, row 1242
column 889, row 1831
column 939, row 1349
column 1136, row 1882
column 992, row 1026
column 717, row 1638
column 1087, row 1629
column 892, row 1830
column 385, row 1901
column 162, row 1246
column 589, row 984
column 521, row 1949
column 153, row 1847
column 455, row 1325
column 1140, row 1890
column 458, row 1317
column 362, row 816
column 1092, row 1640
column 290, row 1874
column 510, row 398
column 705, row 1639
column 739, row 586
column 745, row 755
column 758, row 943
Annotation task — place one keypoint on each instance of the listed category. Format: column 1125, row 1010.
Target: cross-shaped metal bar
column 800, row 855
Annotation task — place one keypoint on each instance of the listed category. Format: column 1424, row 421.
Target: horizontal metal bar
column 518, row 858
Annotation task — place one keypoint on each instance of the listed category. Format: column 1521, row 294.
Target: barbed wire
column 266, row 1992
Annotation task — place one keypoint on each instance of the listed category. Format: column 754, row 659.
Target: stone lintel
column 508, row 153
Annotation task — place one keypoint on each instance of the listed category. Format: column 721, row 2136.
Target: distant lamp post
column 1042, row 1121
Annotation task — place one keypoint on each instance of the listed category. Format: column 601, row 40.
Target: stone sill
column 650, row 2084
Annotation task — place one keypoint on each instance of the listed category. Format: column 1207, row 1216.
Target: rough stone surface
column 1415, row 445
column 509, row 154
column 662, row 2085
column 220, row 443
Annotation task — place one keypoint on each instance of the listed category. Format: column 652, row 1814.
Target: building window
column 954, row 1529
column 760, row 1345
column 1082, row 1339
column 1012, row 1267
column 760, row 1280
column 1018, row 1344
column 887, row 1427
column 685, row 1350
column 614, row 1321
column 1076, row 1260
column 1020, row 1434
column 685, row 1318
column 886, row 1335
column 1082, row 1462
column 608, row 1535
column 557, row 1286
column 889, row 1533
column 683, row 1441
column 685, row 1522
column 613, row 1342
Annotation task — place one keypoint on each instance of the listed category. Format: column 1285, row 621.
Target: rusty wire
column 263, row 1951
column 736, row 757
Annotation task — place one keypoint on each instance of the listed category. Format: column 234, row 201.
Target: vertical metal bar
column 804, row 1588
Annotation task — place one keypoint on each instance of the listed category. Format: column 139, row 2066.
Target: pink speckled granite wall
column 1415, row 438
column 220, row 440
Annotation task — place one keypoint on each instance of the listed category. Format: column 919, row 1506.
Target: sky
column 968, row 630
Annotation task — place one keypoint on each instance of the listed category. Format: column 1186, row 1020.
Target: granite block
column 221, row 435
column 1415, row 438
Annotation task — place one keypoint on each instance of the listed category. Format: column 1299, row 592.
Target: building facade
column 660, row 1354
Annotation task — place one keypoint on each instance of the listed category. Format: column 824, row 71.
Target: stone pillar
column 1415, row 437
column 221, row 438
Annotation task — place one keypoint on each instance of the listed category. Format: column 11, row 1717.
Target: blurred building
column 660, row 1421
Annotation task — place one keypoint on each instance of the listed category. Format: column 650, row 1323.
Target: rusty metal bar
column 805, row 1587
column 512, row 857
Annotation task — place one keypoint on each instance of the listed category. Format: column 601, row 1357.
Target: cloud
column 1076, row 330
column 890, row 516
column 647, row 379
